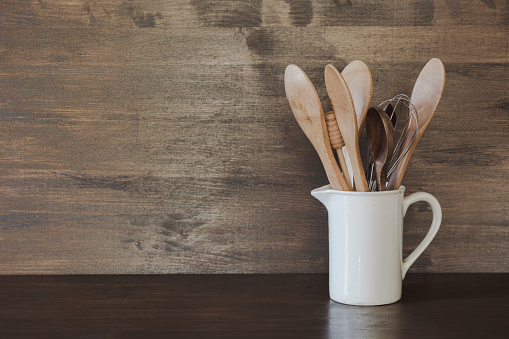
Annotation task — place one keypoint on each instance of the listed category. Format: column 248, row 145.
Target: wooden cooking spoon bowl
column 358, row 79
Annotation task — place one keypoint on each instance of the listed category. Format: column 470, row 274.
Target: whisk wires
column 401, row 108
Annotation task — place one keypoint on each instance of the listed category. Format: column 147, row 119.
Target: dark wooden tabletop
column 252, row 306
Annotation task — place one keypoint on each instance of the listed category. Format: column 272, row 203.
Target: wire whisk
column 401, row 111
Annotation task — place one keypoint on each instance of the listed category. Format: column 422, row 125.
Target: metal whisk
column 400, row 110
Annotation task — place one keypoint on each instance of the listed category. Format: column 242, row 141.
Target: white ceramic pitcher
column 366, row 243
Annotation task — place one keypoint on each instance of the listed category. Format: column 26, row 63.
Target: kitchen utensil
column 402, row 115
column 343, row 106
column 380, row 135
column 358, row 79
column 337, row 143
column 389, row 109
column 307, row 110
column 425, row 97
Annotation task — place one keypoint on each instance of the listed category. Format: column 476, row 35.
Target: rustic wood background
column 154, row 136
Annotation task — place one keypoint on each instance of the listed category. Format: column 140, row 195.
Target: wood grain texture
column 155, row 136
column 444, row 306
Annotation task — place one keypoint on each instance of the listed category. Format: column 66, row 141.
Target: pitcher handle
column 435, row 225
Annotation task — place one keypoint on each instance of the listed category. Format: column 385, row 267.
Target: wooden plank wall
column 154, row 136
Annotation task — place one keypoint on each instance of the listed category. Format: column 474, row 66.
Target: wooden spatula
column 307, row 110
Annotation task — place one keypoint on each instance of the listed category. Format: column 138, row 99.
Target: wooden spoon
column 380, row 135
column 343, row 107
column 307, row 110
column 358, row 79
column 389, row 110
column 426, row 95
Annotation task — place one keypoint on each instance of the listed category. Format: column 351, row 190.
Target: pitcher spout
column 323, row 194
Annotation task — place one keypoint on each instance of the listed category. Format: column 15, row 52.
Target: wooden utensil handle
column 335, row 137
column 336, row 179
column 344, row 168
column 337, row 143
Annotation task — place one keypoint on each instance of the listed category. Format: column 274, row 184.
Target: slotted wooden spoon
column 307, row 110
column 426, row 95
column 343, row 106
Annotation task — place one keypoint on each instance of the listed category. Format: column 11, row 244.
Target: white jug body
column 366, row 243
